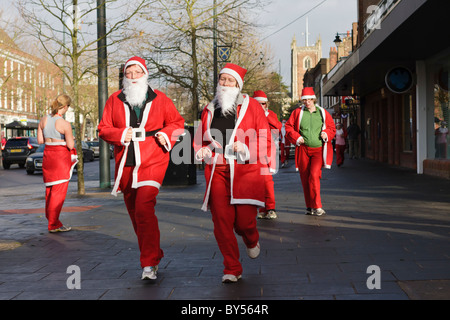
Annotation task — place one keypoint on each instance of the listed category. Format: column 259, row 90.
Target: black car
column 17, row 150
column 34, row 161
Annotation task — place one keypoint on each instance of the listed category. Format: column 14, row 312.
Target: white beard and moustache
column 135, row 90
column 226, row 98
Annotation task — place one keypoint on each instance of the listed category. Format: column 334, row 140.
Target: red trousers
column 284, row 151
column 310, row 168
column 228, row 218
column 54, row 200
column 340, row 154
column 270, row 194
column 140, row 204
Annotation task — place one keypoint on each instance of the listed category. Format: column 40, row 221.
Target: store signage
column 399, row 79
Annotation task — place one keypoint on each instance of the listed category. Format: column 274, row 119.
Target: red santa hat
column 136, row 60
column 260, row 96
column 308, row 93
column 236, row 71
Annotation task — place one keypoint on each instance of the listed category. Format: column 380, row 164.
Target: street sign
column 224, row 53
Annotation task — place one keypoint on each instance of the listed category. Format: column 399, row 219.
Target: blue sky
column 330, row 17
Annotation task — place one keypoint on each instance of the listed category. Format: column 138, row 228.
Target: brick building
column 27, row 87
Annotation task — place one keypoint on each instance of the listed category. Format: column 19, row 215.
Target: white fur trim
column 208, row 190
column 235, row 75
column 61, row 143
column 133, row 62
column 261, row 99
column 168, row 146
column 309, row 97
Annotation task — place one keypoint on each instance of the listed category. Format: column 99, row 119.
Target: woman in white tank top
column 59, row 160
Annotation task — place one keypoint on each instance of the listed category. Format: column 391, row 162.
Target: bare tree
column 66, row 31
column 178, row 44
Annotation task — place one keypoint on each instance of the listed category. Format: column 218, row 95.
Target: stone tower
column 302, row 59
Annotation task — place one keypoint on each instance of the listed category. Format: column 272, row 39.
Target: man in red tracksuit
column 143, row 125
column 269, row 212
column 233, row 139
column 311, row 128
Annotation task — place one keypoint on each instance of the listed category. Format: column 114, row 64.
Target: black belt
column 151, row 133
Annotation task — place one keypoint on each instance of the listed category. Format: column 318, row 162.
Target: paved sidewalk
column 378, row 216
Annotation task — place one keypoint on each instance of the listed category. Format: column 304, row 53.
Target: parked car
column 88, row 153
column 16, row 151
column 95, row 147
column 34, row 161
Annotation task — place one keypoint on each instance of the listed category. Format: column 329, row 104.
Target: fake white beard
column 135, row 90
column 226, row 97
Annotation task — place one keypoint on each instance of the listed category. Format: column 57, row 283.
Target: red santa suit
column 309, row 161
column 235, row 185
column 140, row 181
column 275, row 127
column 284, row 145
column 57, row 166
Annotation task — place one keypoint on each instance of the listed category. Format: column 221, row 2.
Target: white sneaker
column 318, row 212
column 149, row 273
column 61, row 229
column 271, row 214
column 230, row 278
column 262, row 215
column 254, row 252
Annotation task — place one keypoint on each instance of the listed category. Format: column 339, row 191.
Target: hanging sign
column 399, row 80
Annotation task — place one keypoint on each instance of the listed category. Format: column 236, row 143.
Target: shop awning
column 413, row 30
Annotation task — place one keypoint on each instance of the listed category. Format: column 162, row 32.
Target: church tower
column 302, row 59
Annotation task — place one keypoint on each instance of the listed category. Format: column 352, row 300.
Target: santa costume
column 304, row 128
column 58, row 163
column 269, row 212
column 141, row 164
column 234, row 188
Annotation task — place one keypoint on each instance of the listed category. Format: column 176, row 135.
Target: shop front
column 402, row 83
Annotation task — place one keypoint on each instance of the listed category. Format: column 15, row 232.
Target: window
column 307, row 63
column 441, row 114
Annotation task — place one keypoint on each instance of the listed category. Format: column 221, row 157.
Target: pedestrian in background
column 60, row 157
column 143, row 125
column 353, row 132
column 341, row 135
column 311, row 128
column 284, row 145
column 269, row 212
column 233, row 127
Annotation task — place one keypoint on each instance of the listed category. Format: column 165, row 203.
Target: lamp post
column 105, row 180
column 215, row 45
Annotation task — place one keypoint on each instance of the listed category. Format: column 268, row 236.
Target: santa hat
column 260, row 96
column 136, row 60
column 236, row 71
column 308, row 93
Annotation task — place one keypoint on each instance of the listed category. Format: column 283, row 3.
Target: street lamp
column 337, row 41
